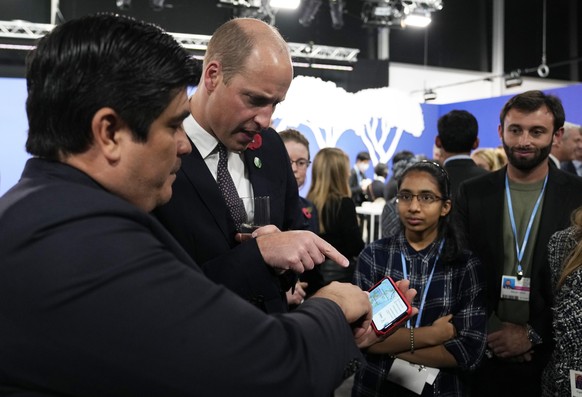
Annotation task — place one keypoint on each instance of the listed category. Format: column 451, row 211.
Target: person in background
column 358, row 181
column 565, row 259
column 338, row 222
column 564, row 146
column 573, row 165
column 391, row 187
column 298, row 149
column 508, row 217
column 490, row 159
column 247, row 69
column 375, row 189
column 448, row 337
column 457, row 136
column 437, row 154
column 98, row 299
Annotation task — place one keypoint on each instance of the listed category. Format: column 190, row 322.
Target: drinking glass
column 258, row 213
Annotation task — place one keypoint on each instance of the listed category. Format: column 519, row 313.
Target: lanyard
column 520, row 251
column 426, row 287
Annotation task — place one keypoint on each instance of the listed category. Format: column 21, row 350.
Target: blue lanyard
column 520, row 251
column 426, row 287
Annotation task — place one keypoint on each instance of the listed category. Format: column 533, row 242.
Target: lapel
column 206, row 188
column 257, row 165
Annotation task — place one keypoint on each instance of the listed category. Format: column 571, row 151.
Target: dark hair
column 291, row 135
column 100, row 61
column 530, row 101
column 402, row 155
column 453, row 248
column 381, row 169
column 458, row 131
column 363, row 156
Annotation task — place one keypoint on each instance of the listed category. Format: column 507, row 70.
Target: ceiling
column 459, row 37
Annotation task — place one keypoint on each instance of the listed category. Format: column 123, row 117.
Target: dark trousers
column 500, row 378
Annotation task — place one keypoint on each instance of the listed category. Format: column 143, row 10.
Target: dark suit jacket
column 460, row 170
column 358, row 195
column 480, row 206
column 198, row 218
column 98, row 299
column 568, row 166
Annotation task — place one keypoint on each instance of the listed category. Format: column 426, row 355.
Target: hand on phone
column 389, row 306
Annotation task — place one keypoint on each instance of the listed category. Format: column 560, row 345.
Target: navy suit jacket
column 98, row 299
column 569, row 166
column 197, row 216
column 480, row 205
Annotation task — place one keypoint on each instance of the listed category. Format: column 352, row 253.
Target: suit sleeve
column 110, row 310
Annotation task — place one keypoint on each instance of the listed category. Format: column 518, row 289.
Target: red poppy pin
column 256, row 143
column 307, row 212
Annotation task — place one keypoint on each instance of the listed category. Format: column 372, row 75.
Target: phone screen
column 388, row 307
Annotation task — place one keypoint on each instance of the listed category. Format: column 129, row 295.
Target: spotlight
column 418, row 20
column 308, row 11
column 429, row 95
column 157, row 5
column 123, row 4
column 514, row 79
column 336, row 10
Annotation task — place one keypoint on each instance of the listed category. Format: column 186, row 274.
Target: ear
column 107, row 127
column 500, row 131
column 437, row 142
column 446, row 208
column 212, row 75
column 475, row 144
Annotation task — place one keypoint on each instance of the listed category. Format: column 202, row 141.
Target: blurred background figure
column 457, row 135
column 573, row 137
column 375, row 189
column 298, row 149
column 565, row 259
column 437, row 154
column 358, row 181
column 392, row 185
column 565, row 145
column 490, row 159
column 338, row 222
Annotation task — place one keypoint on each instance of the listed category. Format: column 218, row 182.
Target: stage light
column 514, row 79
column 308, row 11
column 285, row 4
column 429, row 95
column 123, row 4
column 157, row 5
column 336, row 10
column 417, row 20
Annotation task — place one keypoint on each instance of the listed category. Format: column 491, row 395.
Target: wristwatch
column 532, row 336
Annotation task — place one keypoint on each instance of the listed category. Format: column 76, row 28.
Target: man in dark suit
column 509, row 216
column 358, row 180
column 457, row 136
column 569, row 149
column 246, row 73
column 97, row 298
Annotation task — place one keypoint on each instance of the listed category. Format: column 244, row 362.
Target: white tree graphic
column 378, row 116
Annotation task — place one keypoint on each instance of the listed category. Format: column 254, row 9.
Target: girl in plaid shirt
column 447, row 338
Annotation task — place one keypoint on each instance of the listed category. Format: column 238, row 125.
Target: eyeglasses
column 423, row 198
column 301, row 163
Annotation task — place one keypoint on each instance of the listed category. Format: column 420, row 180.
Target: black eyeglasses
column 301, row 163
column 425, row 198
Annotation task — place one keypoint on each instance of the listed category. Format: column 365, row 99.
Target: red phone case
column 399, row 320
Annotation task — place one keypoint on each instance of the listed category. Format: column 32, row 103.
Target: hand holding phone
column 389, row 307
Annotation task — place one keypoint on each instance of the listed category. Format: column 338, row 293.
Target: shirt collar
column 457, row 157
column 204, row 142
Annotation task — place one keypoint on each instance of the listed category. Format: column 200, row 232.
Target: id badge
column 411, row 376
column 576, row 383
column 512, row 288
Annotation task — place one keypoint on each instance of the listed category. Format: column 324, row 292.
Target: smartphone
column 389, row 308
